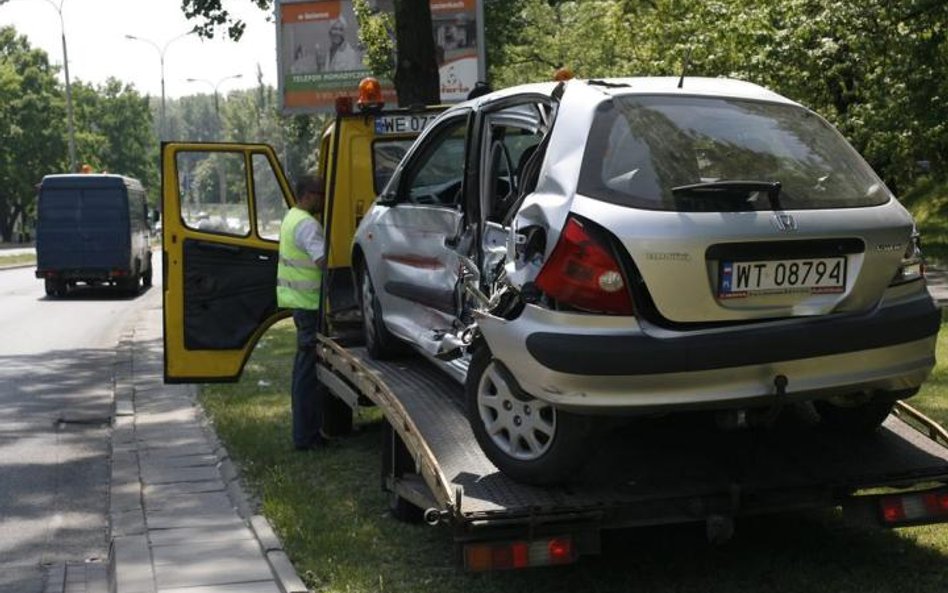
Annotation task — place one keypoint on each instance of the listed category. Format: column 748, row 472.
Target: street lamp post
column 161, row 55
column 69, row 116
column 217, row 108
column 217, row 120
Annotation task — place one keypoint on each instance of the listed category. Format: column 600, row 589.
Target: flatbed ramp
column 650, row 471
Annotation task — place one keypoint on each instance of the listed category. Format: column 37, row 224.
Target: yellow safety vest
column 298, row 277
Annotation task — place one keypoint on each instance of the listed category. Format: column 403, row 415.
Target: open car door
column 222, row 207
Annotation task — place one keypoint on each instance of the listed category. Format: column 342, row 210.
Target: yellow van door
column 222, row 207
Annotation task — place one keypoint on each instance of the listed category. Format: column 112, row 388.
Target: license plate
column 403, row 124
column 740, row 279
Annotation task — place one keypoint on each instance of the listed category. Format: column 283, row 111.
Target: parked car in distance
column 92, row 229
column 636, row 246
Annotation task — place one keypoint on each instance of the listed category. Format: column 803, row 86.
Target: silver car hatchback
column 630, row 246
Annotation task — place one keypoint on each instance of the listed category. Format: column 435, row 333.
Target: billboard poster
column 320, row 57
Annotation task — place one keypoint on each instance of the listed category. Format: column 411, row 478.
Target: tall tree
column 32, row 134
column 416, row 70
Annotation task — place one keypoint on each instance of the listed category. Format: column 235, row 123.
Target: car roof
column 646, row 85
column 84, row 180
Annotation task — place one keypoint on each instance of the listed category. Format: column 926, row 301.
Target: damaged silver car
column 630, row 246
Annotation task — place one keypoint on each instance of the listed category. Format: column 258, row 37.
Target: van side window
column 269, row 206
column 214, row 194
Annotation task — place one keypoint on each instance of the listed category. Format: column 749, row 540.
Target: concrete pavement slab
column 200, row 534
column 258, row 587
column 183, row 488
column 168, row 469
column 132, row 571
column 214, row 569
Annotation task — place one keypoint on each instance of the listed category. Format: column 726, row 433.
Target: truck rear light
column 483, row 557
column 914, row 508
column 582, row 272
column 117, row 273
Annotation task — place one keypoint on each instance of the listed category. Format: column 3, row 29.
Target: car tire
column 855, row 419
column 501, row 414
column 379, row 342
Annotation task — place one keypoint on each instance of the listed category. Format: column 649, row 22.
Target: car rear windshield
column 697, row 154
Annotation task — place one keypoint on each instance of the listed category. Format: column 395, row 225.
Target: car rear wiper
column 741, row 187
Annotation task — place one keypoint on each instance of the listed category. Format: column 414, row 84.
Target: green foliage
column 248, row 116
column 376, row 33
column 114, row 132
column 875, row 68
column 32, row 127
column 211, row 15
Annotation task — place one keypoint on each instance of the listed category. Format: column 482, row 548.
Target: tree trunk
column 416, row 73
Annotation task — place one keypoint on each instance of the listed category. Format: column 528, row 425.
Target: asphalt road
column 56, row 367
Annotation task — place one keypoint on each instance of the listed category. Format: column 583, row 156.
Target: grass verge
column 928, row 203
column 332, row 517
column 17, row 260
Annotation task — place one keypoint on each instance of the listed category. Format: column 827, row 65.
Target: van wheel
column 55, row 288
column 860, row 418
column 129, row 285
column 526, row 438
column 380, row 343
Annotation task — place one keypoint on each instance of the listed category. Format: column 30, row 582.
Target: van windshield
column 685, row 153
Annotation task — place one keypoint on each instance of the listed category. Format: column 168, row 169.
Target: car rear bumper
column 586, row 363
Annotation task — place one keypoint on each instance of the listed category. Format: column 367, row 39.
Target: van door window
column 268, row 199
column 213, row 189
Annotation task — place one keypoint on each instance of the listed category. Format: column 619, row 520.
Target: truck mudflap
column 652, row 471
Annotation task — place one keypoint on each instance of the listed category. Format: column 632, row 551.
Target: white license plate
column 403, row 124
column 814, row 275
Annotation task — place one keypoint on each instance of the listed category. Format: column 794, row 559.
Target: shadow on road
column 55, row 410
column 97, row 293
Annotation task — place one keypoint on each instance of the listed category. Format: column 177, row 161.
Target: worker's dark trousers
column 307, row 392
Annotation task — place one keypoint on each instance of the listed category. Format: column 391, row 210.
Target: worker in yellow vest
column 299, row 277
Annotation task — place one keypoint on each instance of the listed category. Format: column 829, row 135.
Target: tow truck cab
column 223, row 204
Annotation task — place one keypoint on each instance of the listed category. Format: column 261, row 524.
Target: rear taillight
column 482, row 557
column 913, row 265
column 583, row 273
column 914, row 508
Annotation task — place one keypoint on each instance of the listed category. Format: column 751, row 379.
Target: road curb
column 287, row 578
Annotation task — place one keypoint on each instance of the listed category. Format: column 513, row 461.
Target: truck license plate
column 740, row 279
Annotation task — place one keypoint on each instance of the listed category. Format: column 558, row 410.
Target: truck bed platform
column 647, row 471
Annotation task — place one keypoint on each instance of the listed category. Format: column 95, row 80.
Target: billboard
column 320, row 57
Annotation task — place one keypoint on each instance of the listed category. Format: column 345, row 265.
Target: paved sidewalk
column 180, row 522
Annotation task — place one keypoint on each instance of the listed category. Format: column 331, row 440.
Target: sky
column 98, row 49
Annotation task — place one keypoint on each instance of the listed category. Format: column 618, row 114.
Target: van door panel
column 220, row 255
column 228, row 293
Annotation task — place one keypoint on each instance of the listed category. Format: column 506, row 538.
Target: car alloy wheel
column 520, row 425
column 526, row 438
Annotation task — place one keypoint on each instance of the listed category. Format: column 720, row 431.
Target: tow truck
column 222, row 207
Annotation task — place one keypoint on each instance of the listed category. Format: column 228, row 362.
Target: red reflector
column 477, row 557
column 561, row 551
column 501, row 557
column 583, row 273
column 892, row 511
column 343, row 105
column 521, row 554
column 936, row 503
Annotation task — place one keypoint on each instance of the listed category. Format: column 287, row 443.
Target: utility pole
column 217, row 107
column 73, row 166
